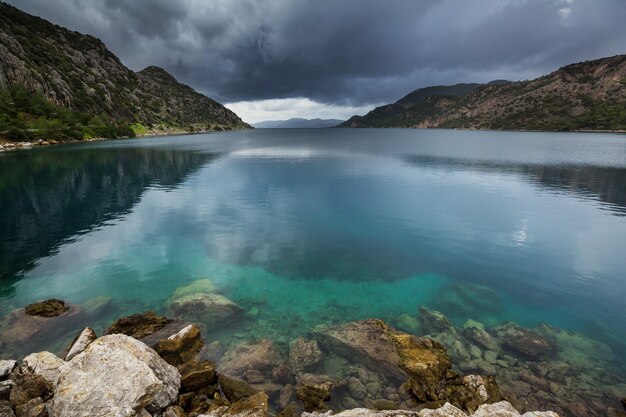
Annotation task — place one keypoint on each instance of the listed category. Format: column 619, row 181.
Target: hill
column 297, row 123
column 589, row 95
column 58, row 84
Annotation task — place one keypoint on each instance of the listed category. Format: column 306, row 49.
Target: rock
column 447, row 410
column 470, row 391
column 526, row 342
column 285, row 396
column 382, row 404
column 409, row 324
column 281, row 373
column 304, row 354
column 395, row 355
column 209, row 309
column 115, row 375
column 356, row 388
column 182, row 346
column 235, row 389
column 314, row 391
column 200, row 286
column 253, row 406
column 481, row 337
column 540, row 414
column 81, row 342
column 6, row 367
column 6, row 409
column 28, row 385
column 434, row 322
column 252, row 376
column 138, row 325
column 45, row 364
column 174, row 411
column 33, row 408
column 499, row 409
column 5, row 390
column 196, row 374
column 261, row 355
column 48, row 308
column 475, row 352
column 624, row 402
column 96, row 305
column 364, row 412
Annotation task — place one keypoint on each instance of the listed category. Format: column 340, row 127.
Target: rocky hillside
column 585, row 96
column 80, row 79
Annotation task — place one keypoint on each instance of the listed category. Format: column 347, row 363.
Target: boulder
column 48, row 308
column 115, row 375
column 28, row 385
column 138, row 325
column 281, row 373
column 314, row 391
column 253, row 406
column 174, row 411
column 33, row 408
column 235, row 389
column 180, row 347
column 447, row 410
column 6, row 367
column 96, row 305
column 6, row 409
column 525, row 342
column 304, row 354
column 434, row 322
column 471, row 391
column 481, row 337
column 45, row 364
column 395, row 355
column 208, row 309
column 80, row 343
column 196, row 374
column 252, row 376
column 199, row 286
column 261, row 355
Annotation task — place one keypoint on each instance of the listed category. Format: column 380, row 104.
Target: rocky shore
column 150, row 365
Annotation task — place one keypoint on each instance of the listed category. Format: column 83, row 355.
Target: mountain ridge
column 297, row 123
column 589, row 95
column 86, row 87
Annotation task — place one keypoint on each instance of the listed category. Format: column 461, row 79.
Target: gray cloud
column 348, row 52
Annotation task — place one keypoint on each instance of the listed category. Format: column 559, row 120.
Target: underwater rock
column 80, row 343
column 48, row 308
column 394, row 354
column 356, row 388
column 253, row 376
column 525, row 342
column 115, row 374
column 481, row 337
column 434, row 322
column 208, row 309
column 94, row 306
column 138, row 325
column 314, row 391
column 235, row 389
column 261, row 355
column 409, row 324
column 470, row 391
column 467, row 300
column 304, row 354
column 199, row 286
column 45, row 364
column 180, row 347
column 285, row 396
column 196, row 374
column 281, row 373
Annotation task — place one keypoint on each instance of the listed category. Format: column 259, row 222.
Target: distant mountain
column 69, row 85
column 296, row 123
column 586, row 96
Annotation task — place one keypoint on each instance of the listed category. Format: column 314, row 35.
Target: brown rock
column 235, row 389
column 304, row 354
column 253, row 376
column 6, row 409
column 253, row 406
column 48, row 308
column 285, row 396
column 174, row 411
column 196, row 374
column 261, row 355
column 526, row 342
column 180, row 347
column 138, row 325
column 28, row 385
column 314, row 391
column 281, row 373
column 470, row 391
column 33, row 408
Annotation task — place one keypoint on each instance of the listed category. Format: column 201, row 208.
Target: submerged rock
column 261, row 355
column 526, row 342
column 115, row 375
column 48, row 308
column 235, row 389
column 200, row 286
column 395, row 355
column 209, row 309
column 80, row 343
column 138, row 325
column 304, row 354
column 434, row 322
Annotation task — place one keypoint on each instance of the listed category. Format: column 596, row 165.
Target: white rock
column 80, row 344
column 116, row 376
column 447, row 410
column 45, row 364
column 501, row 409
column 540, row 414
column 6, row 367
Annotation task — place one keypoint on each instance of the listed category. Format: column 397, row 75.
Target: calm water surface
column 324, row 226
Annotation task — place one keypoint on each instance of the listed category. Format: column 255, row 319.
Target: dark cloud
column 348, row 52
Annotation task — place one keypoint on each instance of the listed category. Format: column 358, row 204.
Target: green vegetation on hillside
column 26, row 116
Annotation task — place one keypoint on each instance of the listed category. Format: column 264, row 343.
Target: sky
column 276, row 59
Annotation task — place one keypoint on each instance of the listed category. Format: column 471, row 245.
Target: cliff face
column 78, row 72
column 585, row 96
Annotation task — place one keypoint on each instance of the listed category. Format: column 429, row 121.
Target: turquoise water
column 304, row 227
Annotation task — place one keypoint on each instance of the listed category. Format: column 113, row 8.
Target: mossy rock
column 200, row 286
column 48, row 308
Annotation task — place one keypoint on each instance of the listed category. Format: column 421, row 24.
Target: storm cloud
column 350, row 53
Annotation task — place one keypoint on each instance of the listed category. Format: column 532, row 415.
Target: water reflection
column 47, row 197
